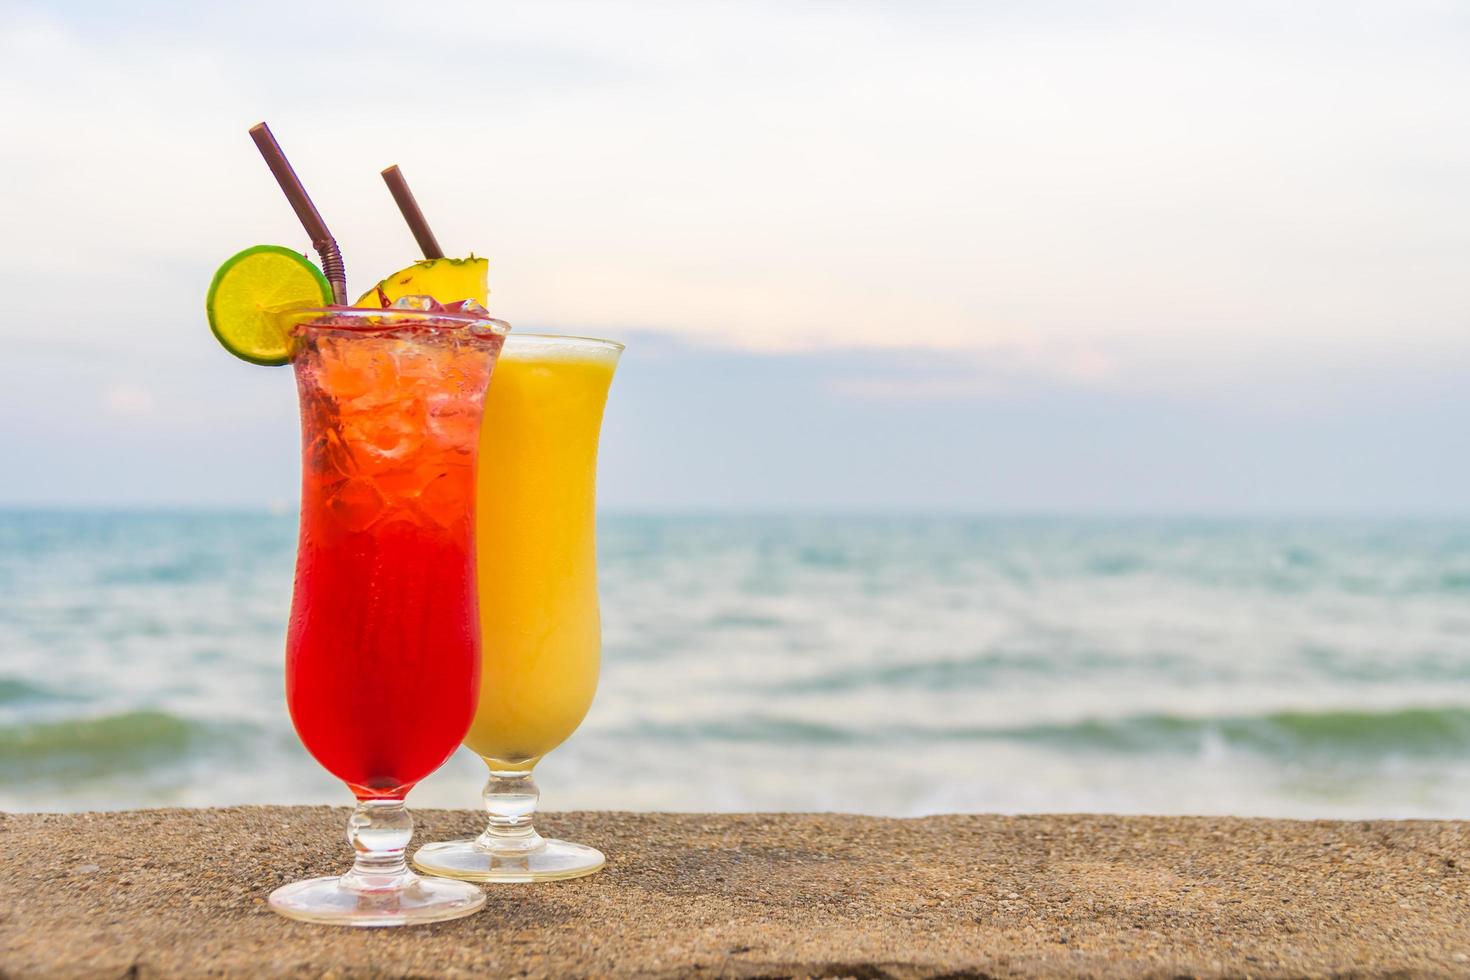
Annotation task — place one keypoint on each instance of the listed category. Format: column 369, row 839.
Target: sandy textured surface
column 182, row 893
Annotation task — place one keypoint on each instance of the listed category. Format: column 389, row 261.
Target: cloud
column 691, row 425
column 787, row 177
column 998, row 370
column 127, row 400
column 1251, row 209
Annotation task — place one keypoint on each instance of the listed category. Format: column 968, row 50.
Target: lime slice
column 250, row 288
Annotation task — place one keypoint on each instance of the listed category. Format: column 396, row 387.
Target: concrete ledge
column 182, row 893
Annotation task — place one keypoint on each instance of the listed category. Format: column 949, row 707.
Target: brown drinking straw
column 311, row 220
column 417, row 223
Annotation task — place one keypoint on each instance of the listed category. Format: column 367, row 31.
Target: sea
column 882, row 664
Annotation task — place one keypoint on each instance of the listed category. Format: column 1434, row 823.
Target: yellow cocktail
column 537, row 570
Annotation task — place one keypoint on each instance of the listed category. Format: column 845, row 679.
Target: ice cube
column 356, row 505
column 446, row 499
column 327, row 454
column 469, row 307
column 454, row 419
column 424, row 304
column 347, row 369
column 394, row 431
column 415, row 362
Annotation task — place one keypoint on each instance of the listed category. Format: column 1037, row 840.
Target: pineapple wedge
column 447, row 280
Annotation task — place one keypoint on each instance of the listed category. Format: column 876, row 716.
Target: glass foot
column 328, row 901
column 469, row 860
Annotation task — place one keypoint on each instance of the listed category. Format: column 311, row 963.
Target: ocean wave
column 984, row 668
column 13, row 690
column 1281, row 734
column 761, row 729
column 103, row 745
column 1454, row 581
column 1303, row 734
column 184, row 571
column 1079, row 662
column 744, row 621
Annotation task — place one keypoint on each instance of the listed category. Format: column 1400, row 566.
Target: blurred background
column 1027, row 406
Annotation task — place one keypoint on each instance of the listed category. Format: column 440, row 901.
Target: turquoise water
column 875, row 664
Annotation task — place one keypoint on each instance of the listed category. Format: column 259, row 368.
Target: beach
column 182, row 892
column 765, row 667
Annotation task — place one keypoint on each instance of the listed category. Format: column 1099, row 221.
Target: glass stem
column 510, row 800
column 379, row 832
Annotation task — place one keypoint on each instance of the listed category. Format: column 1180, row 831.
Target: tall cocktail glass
column 536, row 546
column 383, row 648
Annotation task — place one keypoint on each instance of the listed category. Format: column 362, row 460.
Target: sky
column 1062, row 256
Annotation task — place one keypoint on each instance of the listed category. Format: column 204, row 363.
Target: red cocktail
column 383, row 650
